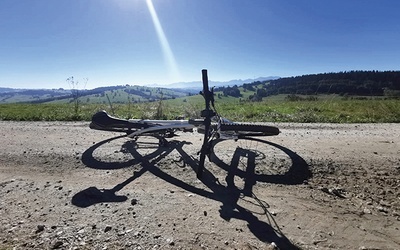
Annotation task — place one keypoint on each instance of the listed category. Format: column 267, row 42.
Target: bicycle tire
column 248, row 129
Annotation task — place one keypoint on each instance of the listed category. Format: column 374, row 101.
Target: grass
column 328, row 108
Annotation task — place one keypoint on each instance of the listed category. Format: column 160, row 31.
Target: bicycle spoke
column 262, row 157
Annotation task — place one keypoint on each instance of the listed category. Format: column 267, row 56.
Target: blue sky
column 113, row 42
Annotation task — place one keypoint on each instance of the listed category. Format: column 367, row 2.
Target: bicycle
column 212, row 125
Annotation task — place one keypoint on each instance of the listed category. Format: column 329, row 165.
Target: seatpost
column 207, row 113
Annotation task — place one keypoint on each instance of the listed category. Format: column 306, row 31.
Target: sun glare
column 168, row 55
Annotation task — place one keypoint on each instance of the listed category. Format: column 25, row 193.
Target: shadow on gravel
column 90, row 161
column 295, row 174
column 93, row 195
column 262, row 225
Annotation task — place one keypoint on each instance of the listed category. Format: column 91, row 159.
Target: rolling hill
column 115, row 94
column 362, row 83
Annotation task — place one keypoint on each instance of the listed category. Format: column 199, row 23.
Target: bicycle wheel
column 257, row 159
column 248, row 129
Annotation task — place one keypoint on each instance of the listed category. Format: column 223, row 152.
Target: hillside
column 8, row 95
column 127, row 94
column 361, row 83
column 116, row 94
column 351, row 83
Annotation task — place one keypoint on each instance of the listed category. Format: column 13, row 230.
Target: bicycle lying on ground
column 212, row 125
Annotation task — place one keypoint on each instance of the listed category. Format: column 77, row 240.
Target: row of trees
column 230, row 91
column 351, row 83
column 362, row 83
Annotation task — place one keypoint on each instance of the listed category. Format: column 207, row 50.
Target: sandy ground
column 314, row 186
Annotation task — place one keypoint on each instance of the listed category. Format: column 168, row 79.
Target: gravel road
column 314, row 186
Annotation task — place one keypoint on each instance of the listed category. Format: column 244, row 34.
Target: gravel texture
column 314, row 186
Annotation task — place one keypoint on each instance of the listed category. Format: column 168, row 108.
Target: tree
column 232, row 91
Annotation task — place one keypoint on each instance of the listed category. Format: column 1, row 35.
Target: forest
column 360, row 83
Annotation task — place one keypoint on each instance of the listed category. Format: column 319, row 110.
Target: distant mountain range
column 197, row 85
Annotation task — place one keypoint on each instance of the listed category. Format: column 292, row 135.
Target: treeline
column 140, row 93
column 229, row 91
column 365, row 83
column 360, row 83
column 35, row 92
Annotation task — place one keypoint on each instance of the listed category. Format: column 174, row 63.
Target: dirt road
column 314, row 186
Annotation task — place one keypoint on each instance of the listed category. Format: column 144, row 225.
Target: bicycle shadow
column 297, row 173
column 93, row 195
column 228, row 195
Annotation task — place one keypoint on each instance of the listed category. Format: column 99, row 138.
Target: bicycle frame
column 160, row 125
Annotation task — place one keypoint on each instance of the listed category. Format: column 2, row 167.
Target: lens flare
column 168, row 55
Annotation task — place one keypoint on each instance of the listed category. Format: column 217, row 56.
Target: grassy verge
column 273, row 109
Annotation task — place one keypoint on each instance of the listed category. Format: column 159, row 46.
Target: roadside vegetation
column 279, row 108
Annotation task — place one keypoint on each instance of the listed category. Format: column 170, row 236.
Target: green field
column 323, row 108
